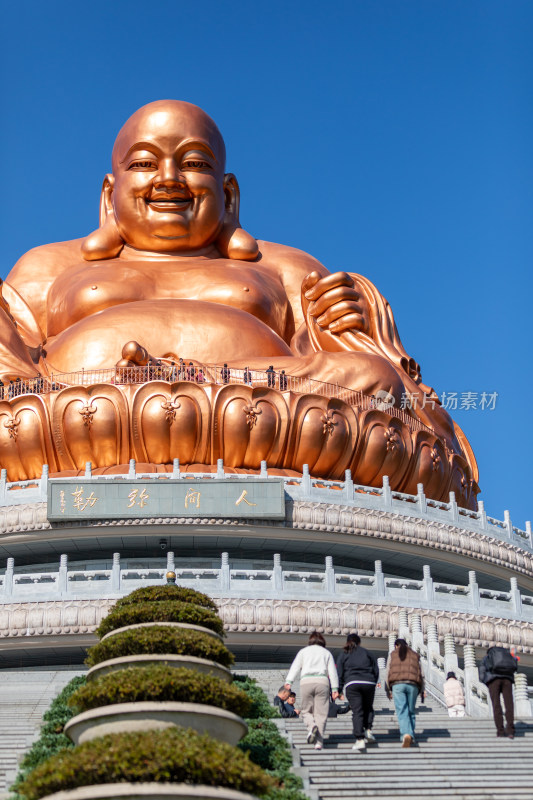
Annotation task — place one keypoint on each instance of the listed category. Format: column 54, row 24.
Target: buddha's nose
column 169, row 174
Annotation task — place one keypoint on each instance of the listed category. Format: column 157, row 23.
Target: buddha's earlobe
column 106, row 241
column 233, row 241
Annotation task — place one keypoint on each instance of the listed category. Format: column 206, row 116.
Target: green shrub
column 158, row 594
column 172, row 755
column 160, row 612
column 51, row 738
column 261, row 707
column 160, row 640
column 160, row 683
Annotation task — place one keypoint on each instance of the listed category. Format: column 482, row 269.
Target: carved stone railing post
column 224, row 572
column 88, row 470
column 115, row 573
column 3, row 486
column 482, row 514
column 471, row 674
column 429, row 591
column 473, row 589
column 264, row 471
column 451, row 664
column 379, row 578
column 421, row 497
column 382, row 666
column 508, row 524
column 171, row 562
column 432, row 639
column 220, row 469
column 522, row 703
column 454, row 512
column 516, row 597
column 329, row 583
column 416, row 633
column 306, row 481
column 8, row 577
column 43, row 482
column 387, row 494
column 176, row 468
column 392, row 639
column 529, row 533
column 277, row 574
column 403, row 626
column 348, row 486
column 62, row 576
column 132, row 472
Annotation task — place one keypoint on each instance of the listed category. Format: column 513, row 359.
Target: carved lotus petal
column 250, row 426
column 171, row 421
column 384, row 448
column 91, row 423
column 429, row 466
column 323, row 435
column 25, row 441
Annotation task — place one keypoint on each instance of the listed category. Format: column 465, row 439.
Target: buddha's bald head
column 169, row 122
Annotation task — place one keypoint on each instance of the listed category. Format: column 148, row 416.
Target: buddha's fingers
column 314, row 286
column 332, row 296
column 335, row 312
column 349, row 322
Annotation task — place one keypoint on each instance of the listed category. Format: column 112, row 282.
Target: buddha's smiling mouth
column 170, row 204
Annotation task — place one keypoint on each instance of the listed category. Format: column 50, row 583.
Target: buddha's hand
column 334, row 305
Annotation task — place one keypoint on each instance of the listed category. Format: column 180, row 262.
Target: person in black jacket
column 280, row 702
column 358, row 674
column 497, row 671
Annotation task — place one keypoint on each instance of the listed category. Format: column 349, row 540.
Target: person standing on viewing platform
column 358, row 675
column 225, row 374
column 454, row 696
column 247, row 377
column 282, row 381
column 271, row 377
column 200, row 377
column 497, row 671
column 403, row 683
column 318, row 678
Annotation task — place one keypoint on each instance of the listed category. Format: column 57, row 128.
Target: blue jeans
column 404, row 696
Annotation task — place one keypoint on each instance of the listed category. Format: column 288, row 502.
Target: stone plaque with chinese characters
column 76, row 498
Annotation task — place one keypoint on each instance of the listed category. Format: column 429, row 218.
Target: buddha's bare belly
column 190, row 329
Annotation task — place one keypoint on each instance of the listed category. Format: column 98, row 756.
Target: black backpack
column 502, row 662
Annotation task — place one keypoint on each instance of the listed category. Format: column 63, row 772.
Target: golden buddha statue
column 170, row 273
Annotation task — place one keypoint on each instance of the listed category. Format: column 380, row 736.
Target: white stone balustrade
column 307, row 488
column 76, row 584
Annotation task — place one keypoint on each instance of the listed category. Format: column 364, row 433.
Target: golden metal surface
column 171, row 274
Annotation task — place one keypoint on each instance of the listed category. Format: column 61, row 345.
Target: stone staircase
column 455, row 758
column 24, row 697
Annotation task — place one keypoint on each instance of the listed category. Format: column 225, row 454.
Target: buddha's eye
column 190, row 164
column 145, row 164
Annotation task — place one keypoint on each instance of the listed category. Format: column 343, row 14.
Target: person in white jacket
column 454, row 696
column 318, row 679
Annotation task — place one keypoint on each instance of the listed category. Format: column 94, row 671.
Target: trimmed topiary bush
column 173, row 755
column 162, row 641
column 163, row 611
column 261, row 708
column 170, row 593
column 160, row 683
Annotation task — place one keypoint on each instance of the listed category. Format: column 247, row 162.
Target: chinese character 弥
column 141, row 500
column 243, row 498
column 80, row 502
column 192, row 497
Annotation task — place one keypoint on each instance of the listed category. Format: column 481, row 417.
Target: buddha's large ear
column 106, row 241
column 233, row 241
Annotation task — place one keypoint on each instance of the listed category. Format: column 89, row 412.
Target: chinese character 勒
column 80, row 502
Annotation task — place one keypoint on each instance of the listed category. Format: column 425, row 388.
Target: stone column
column 451, row 663
column 416, row 632
column 522, row 704
column 403, row 626
column 471, row 674
column 433, row 638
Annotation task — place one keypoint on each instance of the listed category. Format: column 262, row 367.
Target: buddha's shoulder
column 46, row 260
column 281, row 256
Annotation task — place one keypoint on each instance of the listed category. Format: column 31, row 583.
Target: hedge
column 173, row 755
column 160, row 683
column 163, row 611
column 160, row 640
column 158, row 594
column 51, row 738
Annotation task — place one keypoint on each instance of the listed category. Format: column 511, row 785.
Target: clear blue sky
column 388, row 138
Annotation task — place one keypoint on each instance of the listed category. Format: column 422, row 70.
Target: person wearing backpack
column 497, row 671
